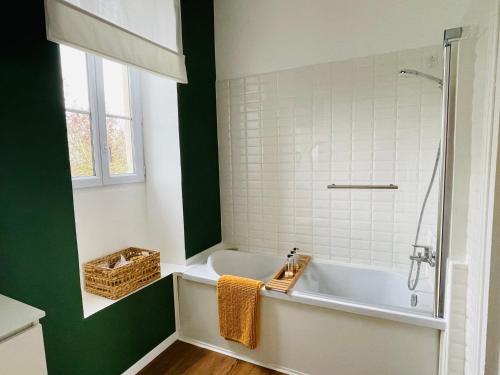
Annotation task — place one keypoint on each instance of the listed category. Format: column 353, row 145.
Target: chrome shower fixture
column 413, row 72
column 429, row 256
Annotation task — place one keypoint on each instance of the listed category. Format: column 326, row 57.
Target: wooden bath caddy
column 281, row 284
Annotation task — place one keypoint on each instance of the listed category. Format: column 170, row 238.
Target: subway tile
column 282, row 137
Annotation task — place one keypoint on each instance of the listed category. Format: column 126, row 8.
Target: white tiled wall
column 457, row 315
column 284, row 136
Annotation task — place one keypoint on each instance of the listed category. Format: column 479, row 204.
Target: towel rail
column 337, row 186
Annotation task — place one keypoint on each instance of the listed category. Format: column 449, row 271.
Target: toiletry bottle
column 289, row 266
column 294, row 257
column 296, row 265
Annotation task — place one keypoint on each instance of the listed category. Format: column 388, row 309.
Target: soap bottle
column 294, row 257
column 296, row 263
column 289, row 266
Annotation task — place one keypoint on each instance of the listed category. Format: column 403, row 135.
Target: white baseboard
column 230, row 353
column 155, row 352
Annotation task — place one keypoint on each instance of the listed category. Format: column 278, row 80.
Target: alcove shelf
column 93, row 303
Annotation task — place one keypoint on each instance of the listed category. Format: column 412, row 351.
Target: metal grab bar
column 336, row 186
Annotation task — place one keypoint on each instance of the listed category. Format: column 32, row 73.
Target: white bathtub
column 361, row 290
column 338, row 319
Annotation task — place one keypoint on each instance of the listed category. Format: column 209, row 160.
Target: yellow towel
column 238, row 299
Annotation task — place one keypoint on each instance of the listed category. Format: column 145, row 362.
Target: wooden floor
column 186, row 359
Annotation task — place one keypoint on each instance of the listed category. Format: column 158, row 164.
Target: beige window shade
column 144, row 33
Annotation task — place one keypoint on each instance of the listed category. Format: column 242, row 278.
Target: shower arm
column 418, row 73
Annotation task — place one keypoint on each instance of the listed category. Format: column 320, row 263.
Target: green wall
column 198, row 129
column 38, row 253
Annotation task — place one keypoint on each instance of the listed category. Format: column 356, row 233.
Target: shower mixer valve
column 428, row 256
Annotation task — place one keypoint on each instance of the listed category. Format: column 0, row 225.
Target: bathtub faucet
column 429, row 256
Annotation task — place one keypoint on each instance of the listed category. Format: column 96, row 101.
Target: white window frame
column 97, row 115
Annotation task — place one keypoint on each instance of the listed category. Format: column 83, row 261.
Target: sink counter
column 16, row 316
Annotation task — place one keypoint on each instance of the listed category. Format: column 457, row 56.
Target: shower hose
column 412, row 284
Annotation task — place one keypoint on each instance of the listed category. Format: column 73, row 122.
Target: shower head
column 413, row 72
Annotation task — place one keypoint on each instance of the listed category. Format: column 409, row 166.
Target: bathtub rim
column 202, row 273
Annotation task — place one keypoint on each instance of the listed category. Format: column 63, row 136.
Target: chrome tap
column 428, row 256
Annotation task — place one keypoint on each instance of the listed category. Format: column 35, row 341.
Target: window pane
column 74, row 74
column 116, row 88
column 119, row 136
column 80, row 144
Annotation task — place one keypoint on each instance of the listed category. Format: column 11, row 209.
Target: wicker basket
column 116, row 283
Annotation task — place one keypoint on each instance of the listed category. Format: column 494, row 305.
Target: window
column 103, row 119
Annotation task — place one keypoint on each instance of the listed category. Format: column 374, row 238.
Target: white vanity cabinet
column 21, row 340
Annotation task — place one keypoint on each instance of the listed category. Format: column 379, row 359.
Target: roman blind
column 142, row 33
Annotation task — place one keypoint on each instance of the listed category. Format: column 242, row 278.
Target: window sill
column 98, row 182
column 93, row 304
